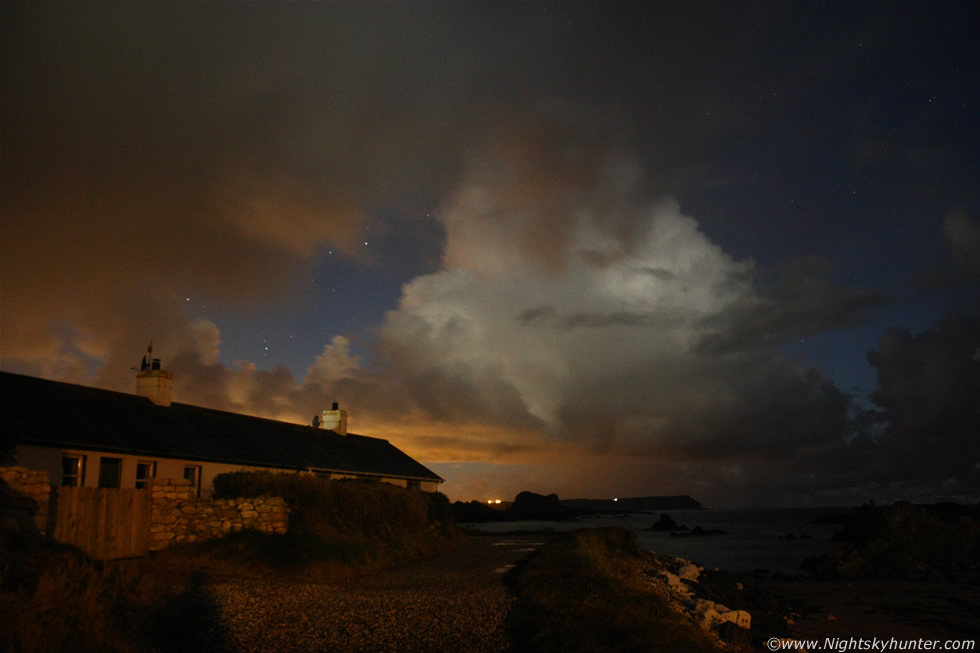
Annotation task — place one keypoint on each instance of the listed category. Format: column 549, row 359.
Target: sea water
column 754, row 539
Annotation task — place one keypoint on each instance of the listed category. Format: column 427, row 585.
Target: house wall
column 425, row 486
column 49, row 459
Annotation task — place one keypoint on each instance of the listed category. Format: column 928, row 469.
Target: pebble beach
column 452, row 602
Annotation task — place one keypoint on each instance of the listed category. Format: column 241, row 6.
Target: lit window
column 145, row 470
column 110, row 472
column 192, row 473
column 73, row 471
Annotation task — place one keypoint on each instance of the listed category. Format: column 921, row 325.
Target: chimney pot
column 153, row 382
column 335, row 420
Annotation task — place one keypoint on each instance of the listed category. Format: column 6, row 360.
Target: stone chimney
column 335, row 420
column 152, row 382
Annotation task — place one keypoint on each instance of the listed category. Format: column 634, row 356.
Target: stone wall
column 25, row 497
column 179, row 516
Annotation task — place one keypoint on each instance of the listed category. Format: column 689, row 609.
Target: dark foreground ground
column 457, row 601
column 948, row 609
column 450, row 602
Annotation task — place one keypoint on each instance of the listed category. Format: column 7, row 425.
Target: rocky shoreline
column 902, row 571
column 728, row 606
column 805, row 609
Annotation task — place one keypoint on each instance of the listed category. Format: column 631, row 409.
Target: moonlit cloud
column 599, row 339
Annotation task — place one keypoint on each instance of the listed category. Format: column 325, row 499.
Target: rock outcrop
column 679, row 578
column 530, row 505
column 903, row 541
column 701, row 532
column 666, row 523
column 705, row 613
column 526, row 506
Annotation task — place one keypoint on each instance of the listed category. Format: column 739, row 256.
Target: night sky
column 723, row 249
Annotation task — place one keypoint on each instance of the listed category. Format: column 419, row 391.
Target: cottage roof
column 52, row 413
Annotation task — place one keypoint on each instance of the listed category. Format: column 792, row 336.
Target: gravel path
column 451, row 602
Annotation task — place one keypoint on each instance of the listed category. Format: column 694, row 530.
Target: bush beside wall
column 328, row 509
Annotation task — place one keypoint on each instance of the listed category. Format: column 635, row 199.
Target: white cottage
column 97, row 438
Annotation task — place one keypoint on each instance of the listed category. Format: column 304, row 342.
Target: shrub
column 344, row 507
column 339, row 527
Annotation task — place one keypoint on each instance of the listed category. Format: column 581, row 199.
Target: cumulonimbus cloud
column 603, row 327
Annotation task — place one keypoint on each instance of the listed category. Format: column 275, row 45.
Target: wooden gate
column 105, row 523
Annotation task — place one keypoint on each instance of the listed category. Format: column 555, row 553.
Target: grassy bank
column 54, row 598
column 582, row 592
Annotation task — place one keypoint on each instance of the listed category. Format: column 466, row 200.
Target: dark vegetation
column 336, row 528
column 904, row 541
column 54, row 598
column 581, row 593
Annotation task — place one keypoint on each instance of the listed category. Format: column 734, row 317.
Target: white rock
column 689, row 572
column 740, row 618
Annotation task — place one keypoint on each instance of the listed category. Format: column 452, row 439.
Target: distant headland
column 638, row 504
column 533, row 506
